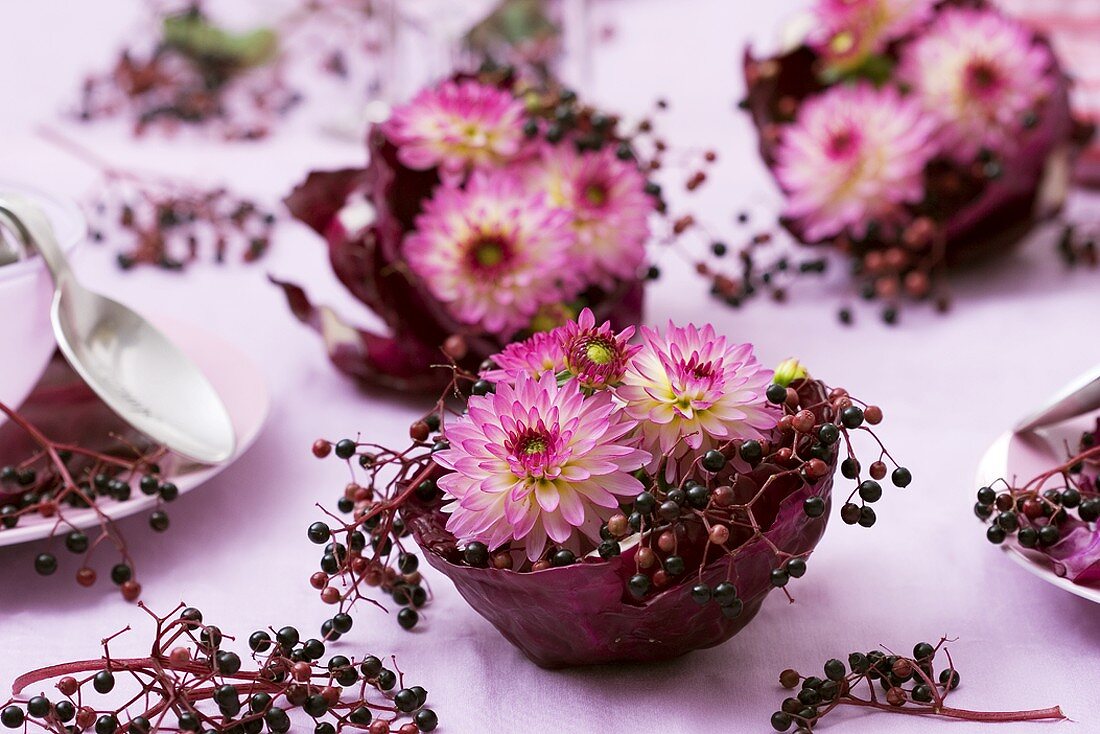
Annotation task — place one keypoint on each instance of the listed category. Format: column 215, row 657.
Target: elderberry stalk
column 191, row 682
column 886, row 682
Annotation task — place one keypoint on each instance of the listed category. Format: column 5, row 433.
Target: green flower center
column 599, row 352
column 488, row 252
column 534, row 446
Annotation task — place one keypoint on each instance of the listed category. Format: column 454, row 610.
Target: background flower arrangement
column 646, row 496
column 493, row 206
column 914, row 135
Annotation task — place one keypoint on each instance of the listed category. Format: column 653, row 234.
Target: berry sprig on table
column 55, row 479
column 1035, row 512
column 190, row 682
column 168, row 222
column 909, row 685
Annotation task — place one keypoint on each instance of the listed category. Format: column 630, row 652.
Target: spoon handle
column 32, row 226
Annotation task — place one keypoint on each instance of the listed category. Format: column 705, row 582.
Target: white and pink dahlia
column 608, row 203
column 980, row 75
column 595, row 355
column 851, row 30
column 538, row 462
column 690, row 390
column 854, row 154
column 457, row 125
column 493, row 252
column 533, row 357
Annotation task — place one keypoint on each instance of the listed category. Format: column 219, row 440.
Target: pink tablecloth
column 949, row 385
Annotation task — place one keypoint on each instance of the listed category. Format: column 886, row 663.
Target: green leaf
column 196, row 37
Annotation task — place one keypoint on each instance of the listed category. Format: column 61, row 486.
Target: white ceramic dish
column 26, row 292
column 1029, row 455
column 243, row 389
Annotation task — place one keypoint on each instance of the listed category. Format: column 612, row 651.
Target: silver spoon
column 1079, row 397
column 133, row 368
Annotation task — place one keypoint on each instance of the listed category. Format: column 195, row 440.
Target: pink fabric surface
column 237, row 549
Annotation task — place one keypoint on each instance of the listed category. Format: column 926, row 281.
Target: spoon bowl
column 131, row 365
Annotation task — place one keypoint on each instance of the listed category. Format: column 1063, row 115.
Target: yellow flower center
column 489, row 253
column 595, row 194
column 534, row 446
column 599, row 352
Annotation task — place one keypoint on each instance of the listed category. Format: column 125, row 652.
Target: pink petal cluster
column 538, row 462
column 608, row 203
column 457, row 125
column 851, row 30
column 854, row 154
column 493, row 253
column 980, row 75
column 691, row 390
column 549, row 455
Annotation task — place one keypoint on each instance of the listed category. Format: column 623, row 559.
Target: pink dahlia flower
column 851, row 30
column 980, row 75
column 690, row 390
column 457, row 125
column 533, row 357
column 493, row 253
column 608, row 203
column 538, row 462
column 854, row 154
column 596, row 355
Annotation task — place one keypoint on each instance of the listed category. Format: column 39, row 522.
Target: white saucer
column 1022, row 457
column 243, row 389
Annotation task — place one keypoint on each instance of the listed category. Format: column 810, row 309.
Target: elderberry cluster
column 39, row 488
column 905, row 680
column 369, row 552
column 190, row 683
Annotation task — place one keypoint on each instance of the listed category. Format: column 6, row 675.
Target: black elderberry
column 361, row 716
column 901, row 477
column 828, row 434
column 323, row 728
column 259, row 702
column 482, row 387
column 315, row 705
column 813, row 506
column 678, row 496
column 645, row 503
column 674, row 565
column 609, row 549
column 169, row 492
column 342, row 623
column 319, row 533
column 986, row 496
column 65, row 711
column 982, row 511
column 1049, row 535
column 287, row 637
column 148, row 485
column 259, row 641
column 870, row 491
column 405, row 700
column 106, row 724
column 387, row 679
column 1089, row 511
column 751, row 451
column 867, row 517
column 211, row 637
column 277, row 719
column 530, row 127
column 701, row 594
column 923, row 651
column 1008, row 521
column 407, row 618
column 733, row 609
column 922, row 693
column 669, row 510
column 638, row 585
column 776, row 394
column 76, row 542
column 835, row 670
column 103, row 681
column 850, row 513
column 634, row 520
column 779, row 577
column 228, row 663
column 345, row 505
column 725, row 593
column 426, row 720
column 852, row 417
column 698, row 496
column 1028, row 537
column 796, row 567
column 345, row 448
column 714, row 460
column 781, row 721
column 1071, row 498
column 370, row 667
column 809, row 696
column 858, row 662
column 949, row 678
column 407, row 563
column 477, row 554
column 995, row 534
column 849, row 468
column 38, row 706
column 45, row 564
column 562, row 557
